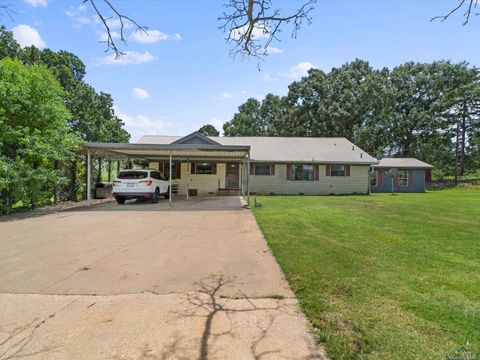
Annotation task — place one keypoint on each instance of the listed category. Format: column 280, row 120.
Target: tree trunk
column 109, row 170
column 463, row 140
column 457, row 150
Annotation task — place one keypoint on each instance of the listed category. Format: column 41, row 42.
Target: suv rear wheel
column 156, row 195
column 167, row 194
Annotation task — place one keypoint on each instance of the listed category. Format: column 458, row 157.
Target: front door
column 232, row 178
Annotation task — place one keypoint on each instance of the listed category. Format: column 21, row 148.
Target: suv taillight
column 148, row 182
column 116, row 182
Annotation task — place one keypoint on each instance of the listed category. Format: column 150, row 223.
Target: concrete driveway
column 146, row 281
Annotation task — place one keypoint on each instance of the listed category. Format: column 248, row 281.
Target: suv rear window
column 132, row 175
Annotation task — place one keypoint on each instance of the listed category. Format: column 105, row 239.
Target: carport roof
column 178, row 151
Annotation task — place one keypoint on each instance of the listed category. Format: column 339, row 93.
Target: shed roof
column 287, row 149
column 403, row 163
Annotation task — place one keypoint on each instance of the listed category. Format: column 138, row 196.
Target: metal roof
column 162, row 151
column 410, row 163
column 287, row 149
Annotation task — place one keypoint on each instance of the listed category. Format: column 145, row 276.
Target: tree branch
column 123, row 19
column 251, row 25
column 6, row 9
column 470, row 5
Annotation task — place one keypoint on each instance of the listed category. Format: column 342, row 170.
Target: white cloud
column 299, row 70
column 230, row 95
column 75, row 11
column 152, row 36
column 258, row 32
column 268, row 77
column 115, row 23
column 37, row 3
column 274, row 50
column 141, row 94
column 129, row 58
column 227, row 95
column 103, row 36
column 27, row 36
column 138, row 125
column 86, row 20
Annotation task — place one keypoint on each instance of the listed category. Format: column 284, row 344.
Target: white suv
column 140, row 184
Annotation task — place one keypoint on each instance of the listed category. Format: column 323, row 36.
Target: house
column 412, row 175
column 276, row 165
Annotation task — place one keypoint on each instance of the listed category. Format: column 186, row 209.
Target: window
column 337, row 170
column 262, row 169
column 204, row 168
column 403, row 178
column 132, row 175
column 302, row 172
column 157, row 175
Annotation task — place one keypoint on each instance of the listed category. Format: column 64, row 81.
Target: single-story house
column 276, row 165
column 412, row 175
column 208, row 165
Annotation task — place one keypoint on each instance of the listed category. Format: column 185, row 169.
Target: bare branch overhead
column 123, row 20
column 6, row 9
column 468, row 5
column 251, row 25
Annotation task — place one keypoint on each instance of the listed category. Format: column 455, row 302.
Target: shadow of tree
column 208, row 303
column 15, row 344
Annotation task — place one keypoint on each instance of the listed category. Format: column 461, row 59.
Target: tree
column 208, row 130
column 247, row 121
column 8, row 45
column 92, row 114
column 34, row 134
column 251, row 25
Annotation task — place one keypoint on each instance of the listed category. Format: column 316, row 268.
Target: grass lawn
column 382, row 276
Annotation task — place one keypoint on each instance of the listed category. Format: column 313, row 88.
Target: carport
column 180, row 152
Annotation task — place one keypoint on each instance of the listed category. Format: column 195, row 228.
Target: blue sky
column 182, row 76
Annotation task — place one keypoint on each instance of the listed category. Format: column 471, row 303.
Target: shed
column 412, row 175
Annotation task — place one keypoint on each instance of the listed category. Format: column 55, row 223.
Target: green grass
column 382, row 276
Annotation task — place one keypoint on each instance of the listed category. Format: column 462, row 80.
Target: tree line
column 430, row 111
column 46, row 111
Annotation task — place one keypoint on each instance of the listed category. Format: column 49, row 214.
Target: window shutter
column 316, row 172
column 272, row 169
column 347, row 170
column 178, row 168
column 410, row 178
column 328, row 170
column 252, row 169
column 289, row 172
column 379, row 177
column 214, row 168
column 160, row 167
column 193, row 168
column 396, row 180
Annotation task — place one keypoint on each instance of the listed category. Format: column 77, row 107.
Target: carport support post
column 248, row 178
column 89, row 191
column 170, row 182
